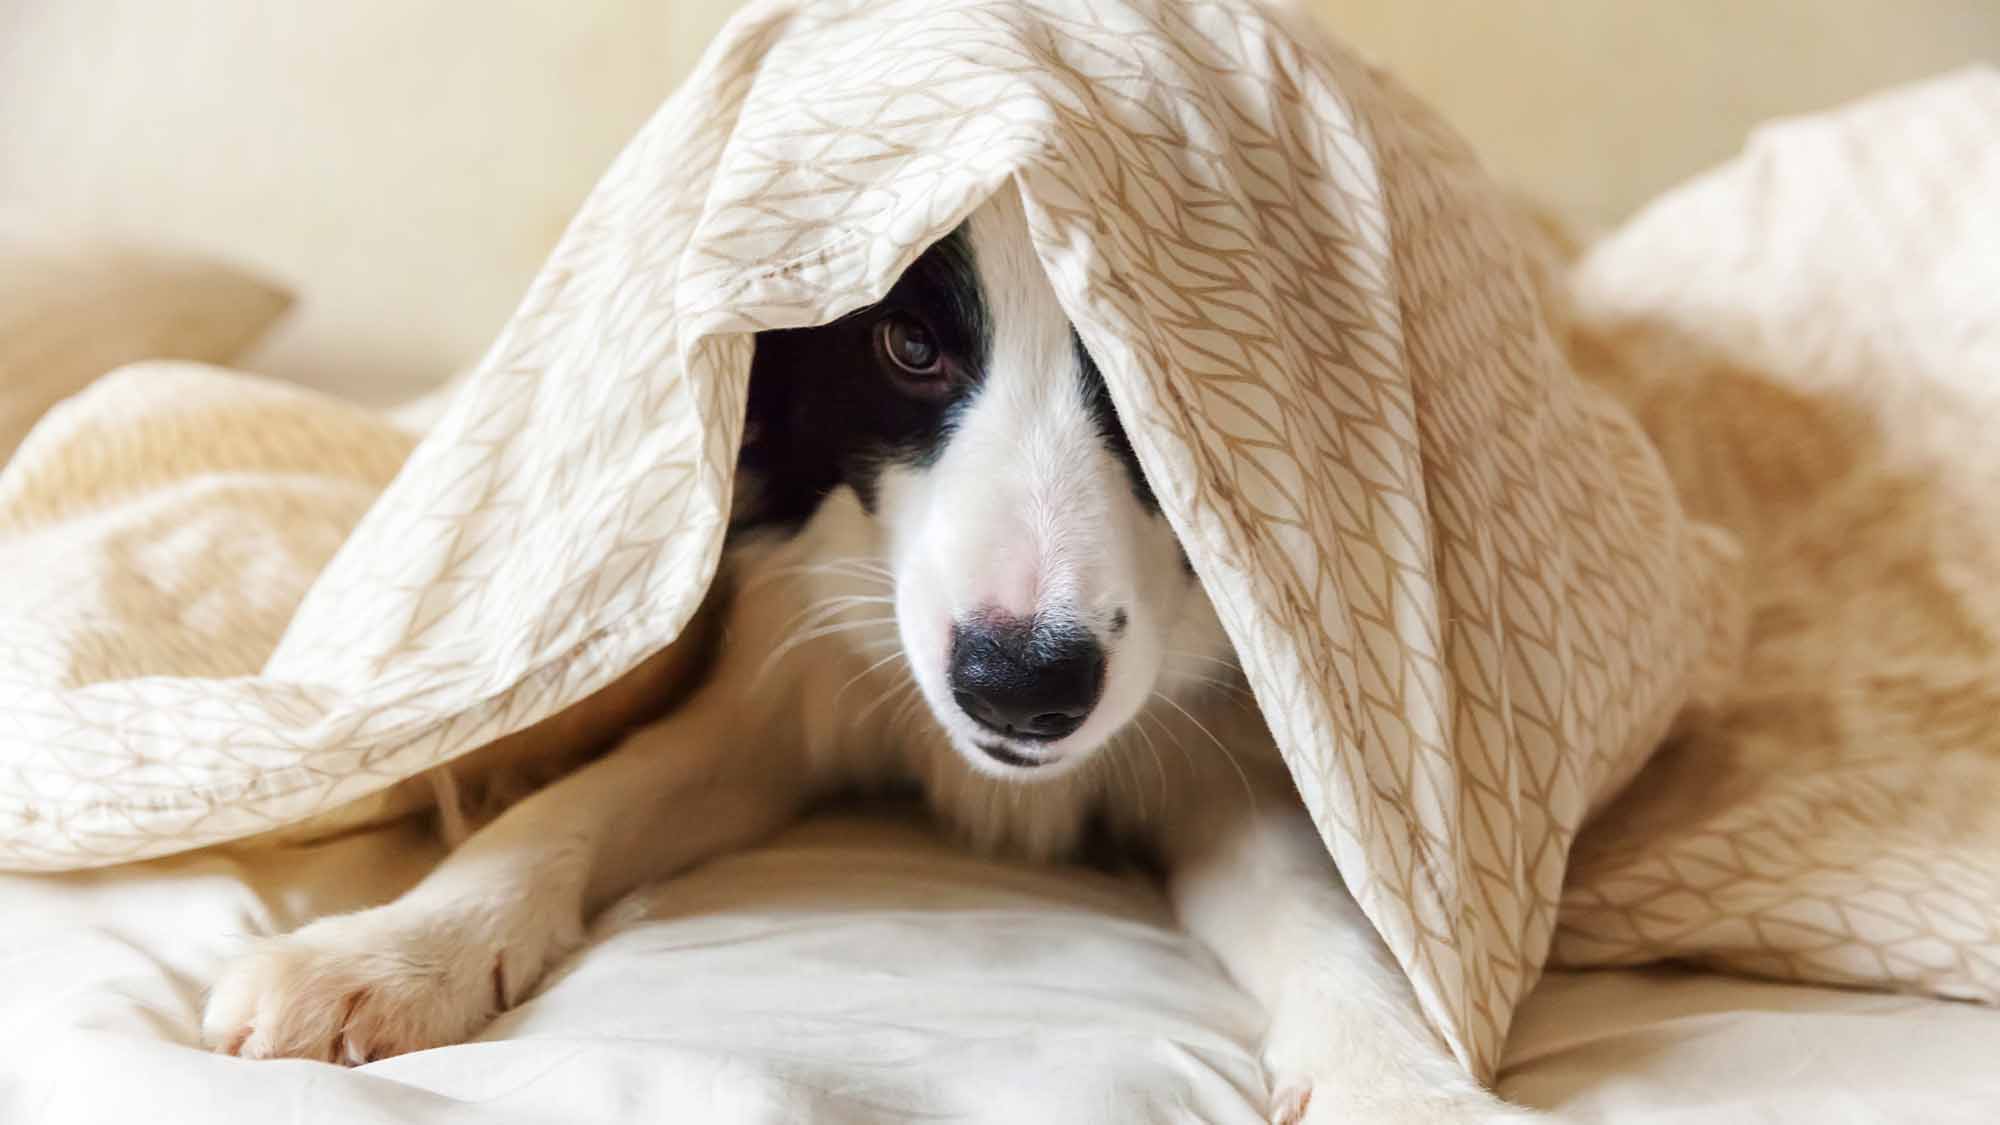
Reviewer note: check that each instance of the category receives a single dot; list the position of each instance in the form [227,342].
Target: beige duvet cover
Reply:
[1811,336]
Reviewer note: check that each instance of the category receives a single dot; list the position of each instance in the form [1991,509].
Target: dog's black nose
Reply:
[1023,681]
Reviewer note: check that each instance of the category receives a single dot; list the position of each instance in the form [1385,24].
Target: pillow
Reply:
[74,307]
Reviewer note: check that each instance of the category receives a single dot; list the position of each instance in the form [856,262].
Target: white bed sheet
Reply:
[858,970]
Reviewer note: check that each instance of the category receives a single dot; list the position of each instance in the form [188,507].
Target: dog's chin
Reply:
[1019,762]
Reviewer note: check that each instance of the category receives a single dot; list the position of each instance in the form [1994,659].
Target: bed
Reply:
[858,969]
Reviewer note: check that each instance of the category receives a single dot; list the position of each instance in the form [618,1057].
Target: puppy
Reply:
[949,571]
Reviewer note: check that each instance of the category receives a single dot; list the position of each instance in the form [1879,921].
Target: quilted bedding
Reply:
[1463,579]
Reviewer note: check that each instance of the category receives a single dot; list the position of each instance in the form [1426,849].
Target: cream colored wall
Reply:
[407,163]
[1598,105]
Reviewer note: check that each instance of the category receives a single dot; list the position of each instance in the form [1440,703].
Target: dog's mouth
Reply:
[1008,756]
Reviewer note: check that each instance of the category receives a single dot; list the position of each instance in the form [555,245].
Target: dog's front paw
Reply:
[355,988]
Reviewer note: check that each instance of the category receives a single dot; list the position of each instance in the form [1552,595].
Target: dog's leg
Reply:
[1346,1042]
[435,965]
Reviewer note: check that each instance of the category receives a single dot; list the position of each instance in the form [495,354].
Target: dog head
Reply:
[1041,599]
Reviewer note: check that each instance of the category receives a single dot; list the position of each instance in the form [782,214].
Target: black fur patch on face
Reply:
[1097,397]
[827,408]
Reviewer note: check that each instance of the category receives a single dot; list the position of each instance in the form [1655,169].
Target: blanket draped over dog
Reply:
[1462,585]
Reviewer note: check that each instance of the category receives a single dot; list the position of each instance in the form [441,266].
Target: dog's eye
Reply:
[912,352]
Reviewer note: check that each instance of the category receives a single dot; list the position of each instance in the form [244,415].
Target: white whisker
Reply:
[1192,655]
[1219,685]
[865,672]
[816,613]
[1119,760]
[1159,767]
[807,636]
[849,567]
[913,698]
[1248,789]
[1171,737]
[891,692]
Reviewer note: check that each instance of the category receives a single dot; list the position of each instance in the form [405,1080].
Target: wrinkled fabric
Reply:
[1810,335]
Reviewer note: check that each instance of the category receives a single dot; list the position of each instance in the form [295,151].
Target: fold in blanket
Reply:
[1812,338]
[1458,577]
